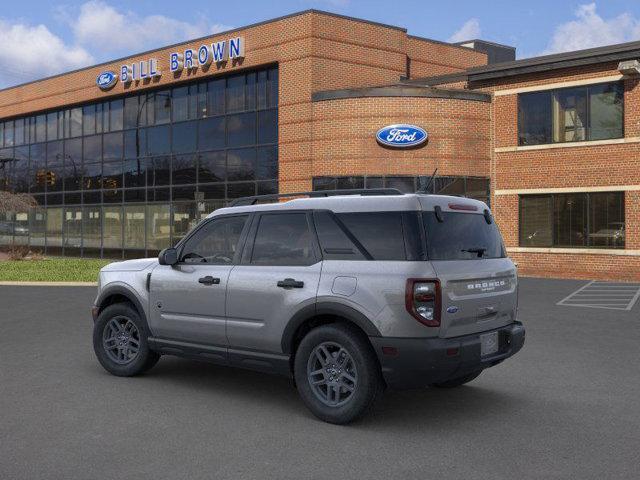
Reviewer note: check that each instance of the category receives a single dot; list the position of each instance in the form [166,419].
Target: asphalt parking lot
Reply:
[568,406]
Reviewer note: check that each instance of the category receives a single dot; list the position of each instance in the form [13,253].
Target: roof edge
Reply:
[213,34]
[400,91]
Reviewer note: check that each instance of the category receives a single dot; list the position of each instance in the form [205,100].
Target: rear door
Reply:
[187,300]
[278,275]
[478,283]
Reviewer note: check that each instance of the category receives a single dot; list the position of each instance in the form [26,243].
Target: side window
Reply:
[216,242]
[380,233]
[335,243]
[283,239]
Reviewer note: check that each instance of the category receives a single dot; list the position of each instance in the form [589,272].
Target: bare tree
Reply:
[16,202]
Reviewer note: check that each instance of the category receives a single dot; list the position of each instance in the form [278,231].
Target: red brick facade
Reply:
[468,135]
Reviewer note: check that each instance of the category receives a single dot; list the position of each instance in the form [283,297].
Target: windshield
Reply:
[462,236]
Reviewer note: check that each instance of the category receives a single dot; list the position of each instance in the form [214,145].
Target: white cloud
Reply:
[469,31]
[104,29]
[591,30]
[28,52]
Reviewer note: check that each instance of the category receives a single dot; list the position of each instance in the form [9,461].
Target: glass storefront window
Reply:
[134,227]
[184,219]
[158,227]
[576,114]
[593,220]
[112,228]
[72,230]
[37,227]
[96,168]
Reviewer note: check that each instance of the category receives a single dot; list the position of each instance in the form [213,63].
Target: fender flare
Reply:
[326,308]
[125,292]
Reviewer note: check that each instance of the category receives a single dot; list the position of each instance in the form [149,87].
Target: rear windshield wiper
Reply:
[479,250]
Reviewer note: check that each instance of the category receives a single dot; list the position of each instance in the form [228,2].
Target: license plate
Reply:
[488,344]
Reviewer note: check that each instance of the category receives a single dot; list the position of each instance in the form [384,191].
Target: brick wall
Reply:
[572,167]
[344,136]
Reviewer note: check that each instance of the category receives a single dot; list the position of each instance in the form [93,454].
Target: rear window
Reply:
[384,235]
[461,236]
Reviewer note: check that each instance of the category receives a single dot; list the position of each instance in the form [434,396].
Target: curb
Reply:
[49,284]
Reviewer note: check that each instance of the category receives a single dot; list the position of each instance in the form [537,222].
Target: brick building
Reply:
[124,157]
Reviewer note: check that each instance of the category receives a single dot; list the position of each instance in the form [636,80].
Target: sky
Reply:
[39,38]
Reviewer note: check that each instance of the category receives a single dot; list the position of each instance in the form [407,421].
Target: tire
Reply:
[342,391]
[456,382]
[120,327]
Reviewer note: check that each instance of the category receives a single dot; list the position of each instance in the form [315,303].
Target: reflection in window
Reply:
[134,216]
[241,129]
[241,164]
[112,227]
[594,220]
[593,112]
[92,228]
[184,219]
[158,227]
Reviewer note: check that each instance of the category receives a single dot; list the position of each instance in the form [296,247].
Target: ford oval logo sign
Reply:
[106,80]
[401,136]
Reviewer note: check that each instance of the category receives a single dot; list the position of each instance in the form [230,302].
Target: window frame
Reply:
[241,241]
[588,196]
[552,93]
[247,253]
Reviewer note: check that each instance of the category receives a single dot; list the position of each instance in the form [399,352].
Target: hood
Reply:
[131,265]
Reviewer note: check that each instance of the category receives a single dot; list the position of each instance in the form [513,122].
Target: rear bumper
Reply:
[419,362]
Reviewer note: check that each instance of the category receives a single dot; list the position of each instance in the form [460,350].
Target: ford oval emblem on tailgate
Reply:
[452,309]
[401,136]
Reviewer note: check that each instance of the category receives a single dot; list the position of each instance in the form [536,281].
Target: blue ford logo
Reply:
[401,136]
[452,309]
[106,80]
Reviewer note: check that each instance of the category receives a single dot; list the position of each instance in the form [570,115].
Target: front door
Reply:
[187,300]
[278,275]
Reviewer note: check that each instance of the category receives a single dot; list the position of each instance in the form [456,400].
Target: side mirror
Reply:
[168,256]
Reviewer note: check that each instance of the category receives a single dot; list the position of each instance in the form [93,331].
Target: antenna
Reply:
[425,188]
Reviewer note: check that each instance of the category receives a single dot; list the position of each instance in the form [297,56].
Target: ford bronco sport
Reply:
[345,292]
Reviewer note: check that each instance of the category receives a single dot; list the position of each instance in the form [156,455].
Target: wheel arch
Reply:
[320,314]
[120,294]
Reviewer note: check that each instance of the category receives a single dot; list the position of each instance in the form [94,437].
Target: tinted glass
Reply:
[606,220]
[536,221]
[241,164]
[570,112]
[268,126]
[462,236]
[158,140]
[334,242]
[241,129]
[570,220]
[211,133]
[380,233]
[534,118]
[184,137]
[606,107]
[215,243]
[283,239]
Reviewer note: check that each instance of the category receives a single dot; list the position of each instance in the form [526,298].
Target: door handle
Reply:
[209,280]
[290,283]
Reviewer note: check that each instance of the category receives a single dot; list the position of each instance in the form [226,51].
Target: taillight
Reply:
[422,298]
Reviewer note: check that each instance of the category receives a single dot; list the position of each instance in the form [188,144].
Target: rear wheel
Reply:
[120,341]
[456,382]
[336,373]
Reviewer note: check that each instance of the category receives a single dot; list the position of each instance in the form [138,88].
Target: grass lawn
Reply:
[52,270]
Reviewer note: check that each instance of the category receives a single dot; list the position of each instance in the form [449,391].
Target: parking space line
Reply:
[613,296]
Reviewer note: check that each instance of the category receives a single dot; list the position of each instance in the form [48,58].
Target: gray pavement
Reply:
[568,406]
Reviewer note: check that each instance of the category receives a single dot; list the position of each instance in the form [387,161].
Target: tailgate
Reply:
[477,295]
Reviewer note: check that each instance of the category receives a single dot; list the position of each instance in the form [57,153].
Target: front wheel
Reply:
[120,341]
[336,373]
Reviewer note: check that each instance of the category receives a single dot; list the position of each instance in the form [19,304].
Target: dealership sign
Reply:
[106,80]
[189,59]
[401,136]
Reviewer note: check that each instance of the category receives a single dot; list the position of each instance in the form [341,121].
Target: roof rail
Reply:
[244,201]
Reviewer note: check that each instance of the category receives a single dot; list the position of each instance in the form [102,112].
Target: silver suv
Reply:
[345,292]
